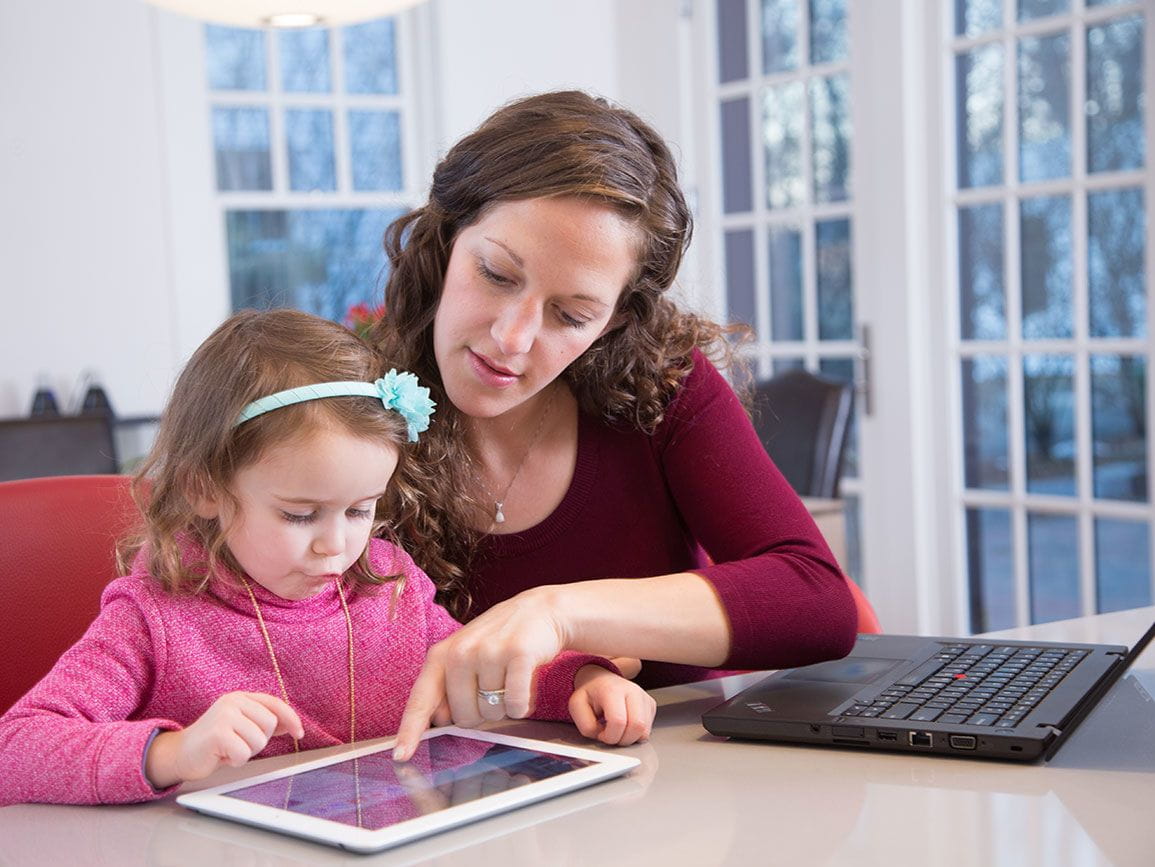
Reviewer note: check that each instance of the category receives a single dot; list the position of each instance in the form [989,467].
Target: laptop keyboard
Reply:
[974,684]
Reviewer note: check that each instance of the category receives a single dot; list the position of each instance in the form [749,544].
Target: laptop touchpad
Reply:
[858,670]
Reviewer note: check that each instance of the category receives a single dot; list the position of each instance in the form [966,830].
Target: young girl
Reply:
[260,615]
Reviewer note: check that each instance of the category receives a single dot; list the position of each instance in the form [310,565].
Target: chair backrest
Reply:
[867,619]
[57,554]
[57,445]
[802,419]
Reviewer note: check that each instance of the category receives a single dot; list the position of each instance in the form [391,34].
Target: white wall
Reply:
[84,265]
[112,246]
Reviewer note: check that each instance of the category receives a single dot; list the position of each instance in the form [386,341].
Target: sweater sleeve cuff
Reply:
[555,683]
[119,768]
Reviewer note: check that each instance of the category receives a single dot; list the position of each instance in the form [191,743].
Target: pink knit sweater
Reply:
[152,660]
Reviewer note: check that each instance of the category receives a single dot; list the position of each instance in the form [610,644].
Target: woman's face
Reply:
[529,287]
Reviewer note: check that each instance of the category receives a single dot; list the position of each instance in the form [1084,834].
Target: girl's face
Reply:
[529,287]
[306,510]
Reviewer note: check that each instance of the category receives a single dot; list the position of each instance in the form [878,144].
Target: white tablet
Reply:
[364,801]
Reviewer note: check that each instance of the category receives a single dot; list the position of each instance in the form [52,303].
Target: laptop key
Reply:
[982,719]
[921,673]
[927,714]
[900,711]
[953,718]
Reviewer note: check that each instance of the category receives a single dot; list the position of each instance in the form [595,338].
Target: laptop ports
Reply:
[919,739]
[963,742]
[887,736]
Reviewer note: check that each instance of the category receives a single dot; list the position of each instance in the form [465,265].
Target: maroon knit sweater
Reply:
[701,494]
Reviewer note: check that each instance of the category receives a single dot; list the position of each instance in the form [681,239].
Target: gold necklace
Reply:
[499,505]
[277,668]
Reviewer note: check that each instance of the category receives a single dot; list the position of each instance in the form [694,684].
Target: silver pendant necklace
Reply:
[499,504]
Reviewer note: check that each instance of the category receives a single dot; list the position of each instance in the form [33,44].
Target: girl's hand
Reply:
[500,649]
[233,730]
[610,708]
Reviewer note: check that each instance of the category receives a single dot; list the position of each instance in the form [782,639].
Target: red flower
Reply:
[361,318]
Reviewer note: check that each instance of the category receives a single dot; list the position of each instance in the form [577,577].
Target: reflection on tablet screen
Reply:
[374,791]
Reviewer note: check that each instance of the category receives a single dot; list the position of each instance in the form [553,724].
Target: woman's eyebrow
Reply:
[516,258]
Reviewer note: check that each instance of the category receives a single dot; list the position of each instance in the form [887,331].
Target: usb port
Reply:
[963,742]
[888,736]
[920,739]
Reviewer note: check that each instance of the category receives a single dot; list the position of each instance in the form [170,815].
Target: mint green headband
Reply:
[397,391]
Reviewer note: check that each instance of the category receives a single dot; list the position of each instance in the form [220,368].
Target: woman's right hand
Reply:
[235,728]
[499,649]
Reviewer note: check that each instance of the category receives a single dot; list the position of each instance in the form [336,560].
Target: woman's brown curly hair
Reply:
[553,144]
[199,447]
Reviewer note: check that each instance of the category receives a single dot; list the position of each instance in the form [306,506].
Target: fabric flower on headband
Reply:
[402,392]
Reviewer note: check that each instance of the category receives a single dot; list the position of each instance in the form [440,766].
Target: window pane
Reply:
[1053,551]
[990,569]
[842,369]
[1122,564]
[982,304]
[782,144]
[1029,9]
[785,284]
[1115,136]
[732,59]
[984,420]
[322,261]
[241,148]
[780,22]
[830,115]
[781,365]
[972,17]
[828,40]
[740,279]
[979,116]
[737,164]
[1117,226]
[375,150]
[1044,107]
[304,58]
[309,135]
[835,301]
[234,58]
[1049,417]
[1045,240]
[370,57]
[1118,426]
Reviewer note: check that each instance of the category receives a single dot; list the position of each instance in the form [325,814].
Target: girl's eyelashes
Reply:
[294,518]
[359,513]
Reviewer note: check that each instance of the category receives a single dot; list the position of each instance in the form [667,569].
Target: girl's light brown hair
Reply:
[199,449]
[553,144]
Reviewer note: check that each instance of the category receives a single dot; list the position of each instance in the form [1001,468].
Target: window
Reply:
[312,134]
[1051,346]
[783,98]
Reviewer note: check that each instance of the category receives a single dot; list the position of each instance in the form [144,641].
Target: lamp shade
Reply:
[285,13]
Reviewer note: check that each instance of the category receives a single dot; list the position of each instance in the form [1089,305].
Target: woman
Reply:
[592,481]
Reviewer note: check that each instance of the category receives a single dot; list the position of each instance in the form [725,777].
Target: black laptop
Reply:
[967,697]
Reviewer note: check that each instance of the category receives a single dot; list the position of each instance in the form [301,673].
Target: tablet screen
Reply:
[374,792]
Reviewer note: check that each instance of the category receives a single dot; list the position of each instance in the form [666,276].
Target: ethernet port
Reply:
[920,739]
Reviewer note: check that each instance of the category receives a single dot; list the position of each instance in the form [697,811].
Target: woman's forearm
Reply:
[673,618]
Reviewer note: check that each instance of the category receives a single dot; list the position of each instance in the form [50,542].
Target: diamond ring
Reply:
[491,696]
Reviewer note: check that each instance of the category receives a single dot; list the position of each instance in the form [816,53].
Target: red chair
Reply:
[867,619]
[57,554]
